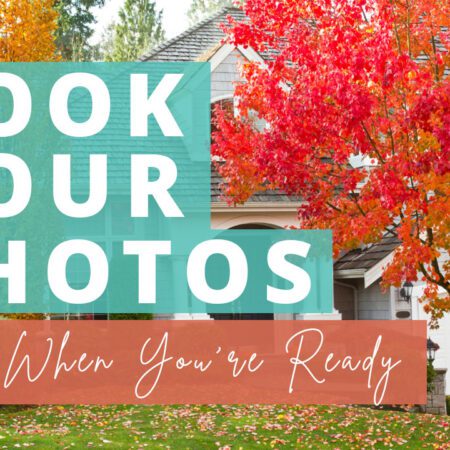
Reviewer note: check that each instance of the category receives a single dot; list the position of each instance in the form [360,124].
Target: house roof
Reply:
[197,40]
[269,196]
[369,256]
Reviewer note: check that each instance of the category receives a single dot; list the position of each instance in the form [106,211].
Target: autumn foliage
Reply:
[345,78]
[27,30]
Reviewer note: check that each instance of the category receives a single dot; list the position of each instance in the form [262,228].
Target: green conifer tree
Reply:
[139,28]
[200,9]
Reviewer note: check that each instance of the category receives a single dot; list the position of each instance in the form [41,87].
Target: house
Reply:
[357,291]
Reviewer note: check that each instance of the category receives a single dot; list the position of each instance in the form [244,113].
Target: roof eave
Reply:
[349,273]
[370,275]
[375,272]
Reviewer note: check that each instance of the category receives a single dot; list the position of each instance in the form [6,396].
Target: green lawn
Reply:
[235,427]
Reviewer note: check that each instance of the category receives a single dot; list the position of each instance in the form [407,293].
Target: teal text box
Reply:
[43,227]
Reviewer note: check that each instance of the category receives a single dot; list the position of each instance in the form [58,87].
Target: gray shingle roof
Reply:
[269,196]
[196,41]
[368,257]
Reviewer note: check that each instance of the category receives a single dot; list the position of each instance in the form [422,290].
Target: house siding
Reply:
[225,74]
[373,303]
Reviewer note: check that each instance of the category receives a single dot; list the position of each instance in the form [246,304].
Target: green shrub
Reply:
[431,374]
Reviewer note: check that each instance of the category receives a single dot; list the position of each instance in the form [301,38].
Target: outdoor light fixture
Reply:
[406,291]
[432,347]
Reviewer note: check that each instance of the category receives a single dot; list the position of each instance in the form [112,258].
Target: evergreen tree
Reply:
[139,28]
[200,9]
[75,23]
[106,46]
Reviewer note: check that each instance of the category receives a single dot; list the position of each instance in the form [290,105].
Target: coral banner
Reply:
[206,361]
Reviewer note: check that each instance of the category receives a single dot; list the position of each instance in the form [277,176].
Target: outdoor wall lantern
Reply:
[432,347]
[406,291]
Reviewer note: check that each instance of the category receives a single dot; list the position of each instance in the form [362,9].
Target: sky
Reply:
[175,19]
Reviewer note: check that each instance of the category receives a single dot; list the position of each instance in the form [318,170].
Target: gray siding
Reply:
[225,75]
[373,303]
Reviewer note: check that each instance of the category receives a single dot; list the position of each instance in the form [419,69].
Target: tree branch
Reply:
[372,142]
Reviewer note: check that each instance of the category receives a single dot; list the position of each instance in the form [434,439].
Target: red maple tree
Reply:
[346,78]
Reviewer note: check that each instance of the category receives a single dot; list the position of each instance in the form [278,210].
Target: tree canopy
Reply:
[75,27]
[350,78]
[139,28]
[27,30]
[200,9]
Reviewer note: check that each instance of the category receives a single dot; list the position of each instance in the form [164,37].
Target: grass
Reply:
[221,427]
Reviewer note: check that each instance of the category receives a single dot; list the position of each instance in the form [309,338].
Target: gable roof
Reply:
[197,40]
